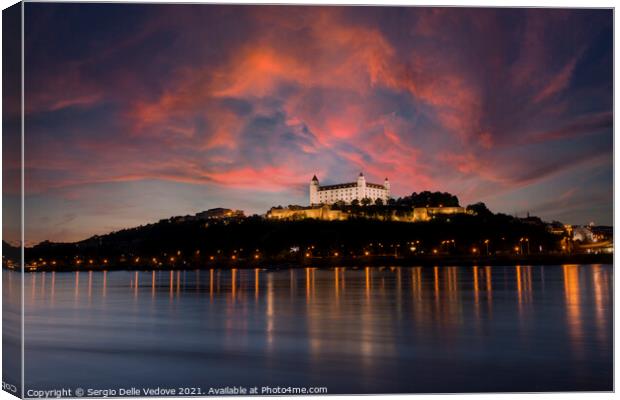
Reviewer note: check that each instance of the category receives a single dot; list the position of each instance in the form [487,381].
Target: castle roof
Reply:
[350,185]
[338,186]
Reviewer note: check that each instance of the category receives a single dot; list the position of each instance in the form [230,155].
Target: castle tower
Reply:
[361,187]
[386,185]
[314,190]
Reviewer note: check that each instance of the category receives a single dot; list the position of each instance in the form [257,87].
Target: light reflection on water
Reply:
[419,329]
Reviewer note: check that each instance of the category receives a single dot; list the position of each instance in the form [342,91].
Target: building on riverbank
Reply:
[220,213]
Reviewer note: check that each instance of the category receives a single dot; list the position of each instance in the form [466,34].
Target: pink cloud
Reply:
[322,84]
[558,82]
[583,125]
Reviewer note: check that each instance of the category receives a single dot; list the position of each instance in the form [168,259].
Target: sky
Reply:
[138,112]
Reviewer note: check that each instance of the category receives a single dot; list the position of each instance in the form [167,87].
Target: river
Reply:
[349,330]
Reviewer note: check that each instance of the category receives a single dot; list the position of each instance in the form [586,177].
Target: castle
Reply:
[348,192]
[323,197]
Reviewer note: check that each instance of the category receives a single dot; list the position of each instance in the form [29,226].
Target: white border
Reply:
[458,3]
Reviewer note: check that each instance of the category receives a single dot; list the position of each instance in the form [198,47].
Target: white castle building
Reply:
[348,192]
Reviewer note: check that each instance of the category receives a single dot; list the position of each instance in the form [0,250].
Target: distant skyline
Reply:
[136,112]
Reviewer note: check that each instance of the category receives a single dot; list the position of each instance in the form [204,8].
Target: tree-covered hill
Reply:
[191,242]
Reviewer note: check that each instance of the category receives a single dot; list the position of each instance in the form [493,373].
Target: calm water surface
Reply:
[365,330]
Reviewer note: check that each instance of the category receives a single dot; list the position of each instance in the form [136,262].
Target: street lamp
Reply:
[527,240]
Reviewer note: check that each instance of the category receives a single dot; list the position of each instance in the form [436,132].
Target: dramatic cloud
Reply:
[243,104]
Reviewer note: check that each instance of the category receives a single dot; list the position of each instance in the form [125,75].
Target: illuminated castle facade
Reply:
[348,192]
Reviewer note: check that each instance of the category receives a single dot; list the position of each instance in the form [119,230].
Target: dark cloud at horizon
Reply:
[136,112]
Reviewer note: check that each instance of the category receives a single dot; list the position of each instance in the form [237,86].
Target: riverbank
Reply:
[356,261]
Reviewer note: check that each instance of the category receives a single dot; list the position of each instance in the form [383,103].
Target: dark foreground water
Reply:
[366,330]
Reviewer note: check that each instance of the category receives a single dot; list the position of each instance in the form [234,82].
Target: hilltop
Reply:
[372,233]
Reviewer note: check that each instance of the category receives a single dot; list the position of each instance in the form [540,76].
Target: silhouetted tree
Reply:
[479,209]
[339,205]
[431,199]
